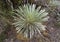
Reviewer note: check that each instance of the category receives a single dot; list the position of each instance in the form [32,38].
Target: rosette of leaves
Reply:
[29,20]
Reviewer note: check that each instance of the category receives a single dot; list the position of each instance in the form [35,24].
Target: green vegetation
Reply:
[2,36]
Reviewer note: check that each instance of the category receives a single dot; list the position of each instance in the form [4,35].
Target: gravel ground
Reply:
[53,31]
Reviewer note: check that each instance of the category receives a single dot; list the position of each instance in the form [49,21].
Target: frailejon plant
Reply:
[29,20]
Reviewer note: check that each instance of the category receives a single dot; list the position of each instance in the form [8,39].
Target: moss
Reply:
[2,36]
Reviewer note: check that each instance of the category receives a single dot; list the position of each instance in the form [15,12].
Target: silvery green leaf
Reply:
[54,3]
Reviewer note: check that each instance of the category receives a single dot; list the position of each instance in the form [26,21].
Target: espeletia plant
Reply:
[29,20]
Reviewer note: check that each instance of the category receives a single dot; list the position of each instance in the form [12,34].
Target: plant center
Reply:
[30,18]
